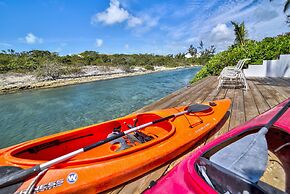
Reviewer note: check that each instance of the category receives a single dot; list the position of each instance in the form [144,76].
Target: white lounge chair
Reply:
[233,75]
[238,67]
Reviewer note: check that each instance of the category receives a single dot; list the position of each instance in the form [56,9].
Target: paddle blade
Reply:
[7,170]
[246,157]
[197,108]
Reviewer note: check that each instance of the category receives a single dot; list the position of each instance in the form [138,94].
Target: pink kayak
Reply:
[211,169]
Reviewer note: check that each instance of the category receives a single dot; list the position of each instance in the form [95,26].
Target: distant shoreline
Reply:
[38,84]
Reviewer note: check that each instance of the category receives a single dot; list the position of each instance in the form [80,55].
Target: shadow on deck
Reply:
[263,94]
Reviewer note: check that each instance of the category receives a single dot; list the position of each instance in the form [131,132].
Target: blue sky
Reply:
[133,26]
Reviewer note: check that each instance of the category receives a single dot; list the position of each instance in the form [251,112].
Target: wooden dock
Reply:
[263,94]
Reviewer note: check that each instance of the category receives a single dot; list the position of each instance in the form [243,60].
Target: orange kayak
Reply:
[112,163]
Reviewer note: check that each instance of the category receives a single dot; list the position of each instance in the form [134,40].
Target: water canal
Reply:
[31,114]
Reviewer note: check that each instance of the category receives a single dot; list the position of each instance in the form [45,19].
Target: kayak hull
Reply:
[105,167]
[184,177]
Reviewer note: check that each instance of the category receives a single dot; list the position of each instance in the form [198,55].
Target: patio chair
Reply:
[233,75]
[238,67]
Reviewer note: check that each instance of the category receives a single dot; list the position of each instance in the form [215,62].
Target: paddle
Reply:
[248,156]
[24,174]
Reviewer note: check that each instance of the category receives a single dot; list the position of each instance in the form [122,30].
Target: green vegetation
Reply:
[149,67]
[45,63]
[200,55]
[267,49]
[240,33]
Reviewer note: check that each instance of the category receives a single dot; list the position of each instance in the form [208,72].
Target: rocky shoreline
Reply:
[10,83]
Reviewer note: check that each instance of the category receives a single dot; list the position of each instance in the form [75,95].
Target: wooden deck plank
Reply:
[251,109]
[208,91]
[190,95]
[273,91]
[175,99]
[215,92]
[165,101]
[263,93]
[238,109]
[193,95]
[286,81]
[223,126]
[139,185]
[224,93]
[261,103]
[267,94]
[230,94]
[221,94]
[282,90]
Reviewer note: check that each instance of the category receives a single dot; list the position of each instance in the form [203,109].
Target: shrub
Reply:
[127,68]
[267,49]
[149,67]
[51,70]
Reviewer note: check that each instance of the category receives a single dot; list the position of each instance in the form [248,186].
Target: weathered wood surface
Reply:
[263,94]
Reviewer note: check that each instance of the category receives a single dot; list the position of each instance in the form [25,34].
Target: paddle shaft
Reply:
[25,174]
[278,115]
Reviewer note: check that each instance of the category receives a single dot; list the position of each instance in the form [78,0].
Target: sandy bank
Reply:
[12,82]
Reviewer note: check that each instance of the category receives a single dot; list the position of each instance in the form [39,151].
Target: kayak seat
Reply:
[128,140]
[223,180]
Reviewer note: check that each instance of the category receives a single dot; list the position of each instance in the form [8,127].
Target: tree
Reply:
[51,70]
[192,50]
[240,33]
[10,51]
[286,7]
[179,56]
[201,45]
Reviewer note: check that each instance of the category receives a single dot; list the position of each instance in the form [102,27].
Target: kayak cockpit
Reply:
[276,177]
[58,145]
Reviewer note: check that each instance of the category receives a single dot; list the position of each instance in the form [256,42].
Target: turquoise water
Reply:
[31,114]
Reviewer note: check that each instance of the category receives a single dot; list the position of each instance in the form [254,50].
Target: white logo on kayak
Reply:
[72,178]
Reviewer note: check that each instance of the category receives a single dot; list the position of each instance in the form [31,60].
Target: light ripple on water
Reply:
[31,114]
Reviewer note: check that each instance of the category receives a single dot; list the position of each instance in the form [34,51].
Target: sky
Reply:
[133,26]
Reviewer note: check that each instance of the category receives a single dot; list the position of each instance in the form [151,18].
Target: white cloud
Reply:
[211,23]
[99,42]
[151,21]
[222,33]
[116,14]
[134,21]
[126,46]
[148,22]
[113,14]
[32,39]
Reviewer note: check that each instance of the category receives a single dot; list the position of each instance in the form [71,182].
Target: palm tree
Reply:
[192,50]
[286,6]
[240,33]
